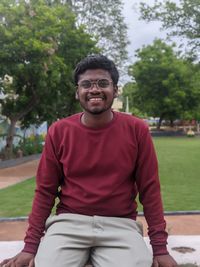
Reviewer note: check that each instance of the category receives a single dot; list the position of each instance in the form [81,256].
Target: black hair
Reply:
[96,61]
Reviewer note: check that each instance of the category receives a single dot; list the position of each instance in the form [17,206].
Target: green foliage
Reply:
[167,86]
[103,19]
[180,19]
[31,145]
[40,46]
[130,94]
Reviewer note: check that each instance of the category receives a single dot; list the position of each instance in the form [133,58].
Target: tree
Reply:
[103,19]
[40,45]
[167,84]
[130,94]
[193,99]
[181,19]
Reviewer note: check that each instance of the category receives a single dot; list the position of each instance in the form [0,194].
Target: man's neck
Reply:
[96,120]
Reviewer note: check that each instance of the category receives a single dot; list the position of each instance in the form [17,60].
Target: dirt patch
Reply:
[15,230]
[184,249]
[16,174]
[179,224]
[188,265]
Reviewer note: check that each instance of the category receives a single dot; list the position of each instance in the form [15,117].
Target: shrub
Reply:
[30,145]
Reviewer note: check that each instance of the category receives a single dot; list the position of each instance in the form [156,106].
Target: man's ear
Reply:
[76,95]
[115,91]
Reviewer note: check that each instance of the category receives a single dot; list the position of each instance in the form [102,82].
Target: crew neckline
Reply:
[107,125]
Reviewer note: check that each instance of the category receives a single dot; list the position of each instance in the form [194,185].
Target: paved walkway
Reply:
[184,230]
[15,174]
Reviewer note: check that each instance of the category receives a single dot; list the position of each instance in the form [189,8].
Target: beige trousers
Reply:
[72,239]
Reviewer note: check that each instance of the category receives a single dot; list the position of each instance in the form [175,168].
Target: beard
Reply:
[96,110]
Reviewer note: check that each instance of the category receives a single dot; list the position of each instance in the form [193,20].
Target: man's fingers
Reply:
[155,263]
[31,263]
[3,263]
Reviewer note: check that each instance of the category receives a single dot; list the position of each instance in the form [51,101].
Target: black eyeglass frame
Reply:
[92,83]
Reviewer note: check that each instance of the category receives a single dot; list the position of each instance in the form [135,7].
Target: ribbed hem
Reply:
[30,248]
[160,250]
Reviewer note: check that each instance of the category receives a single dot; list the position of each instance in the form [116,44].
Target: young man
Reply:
[96,162]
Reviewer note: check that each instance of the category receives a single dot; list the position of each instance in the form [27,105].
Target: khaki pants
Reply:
[72,239]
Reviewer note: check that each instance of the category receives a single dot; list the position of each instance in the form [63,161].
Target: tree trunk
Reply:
[198,127]
[9,140]
[159,123]
[11,131]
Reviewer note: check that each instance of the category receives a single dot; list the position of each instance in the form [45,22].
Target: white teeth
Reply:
[95,99]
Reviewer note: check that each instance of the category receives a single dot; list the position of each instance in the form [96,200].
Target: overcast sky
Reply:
[139,32]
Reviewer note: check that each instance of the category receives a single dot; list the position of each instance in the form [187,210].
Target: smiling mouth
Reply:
[96,99]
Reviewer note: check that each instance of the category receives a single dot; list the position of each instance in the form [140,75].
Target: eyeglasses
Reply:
[100,84]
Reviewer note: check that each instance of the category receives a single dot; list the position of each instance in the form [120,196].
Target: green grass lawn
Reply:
[179,164]
[179,167]
[16,200]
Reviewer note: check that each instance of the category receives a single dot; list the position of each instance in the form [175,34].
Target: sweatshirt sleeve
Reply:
[148,184]
[48,179]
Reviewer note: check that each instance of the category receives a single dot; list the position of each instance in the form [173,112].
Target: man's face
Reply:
[96,91]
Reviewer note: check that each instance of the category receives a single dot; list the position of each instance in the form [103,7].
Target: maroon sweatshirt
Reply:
[100,172]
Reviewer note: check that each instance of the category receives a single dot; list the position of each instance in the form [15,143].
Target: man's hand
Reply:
[164,261]
[20,260]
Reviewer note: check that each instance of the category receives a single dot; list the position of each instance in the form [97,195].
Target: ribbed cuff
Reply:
[160,250]
[30,248]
